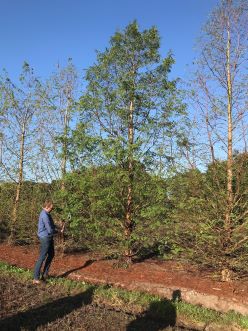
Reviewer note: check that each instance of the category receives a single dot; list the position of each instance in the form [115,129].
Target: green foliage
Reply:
[32,198]
[198,205]
[131,70]
[96,199]
[6,195]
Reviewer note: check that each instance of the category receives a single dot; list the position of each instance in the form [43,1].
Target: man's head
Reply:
[48,205]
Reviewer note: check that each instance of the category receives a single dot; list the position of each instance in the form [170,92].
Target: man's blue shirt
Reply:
[46,225]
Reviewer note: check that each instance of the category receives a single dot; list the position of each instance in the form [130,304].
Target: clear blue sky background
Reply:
[45,32]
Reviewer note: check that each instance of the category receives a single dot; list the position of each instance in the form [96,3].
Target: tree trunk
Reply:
[18,188]
[129,220]
[63,171]
[64,158]
[1,148]
[230,141]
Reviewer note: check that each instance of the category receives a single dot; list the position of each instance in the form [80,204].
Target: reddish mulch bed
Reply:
[92,268]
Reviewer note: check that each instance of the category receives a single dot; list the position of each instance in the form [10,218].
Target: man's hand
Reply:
[62,227]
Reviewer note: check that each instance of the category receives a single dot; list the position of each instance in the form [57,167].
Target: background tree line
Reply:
[142,165]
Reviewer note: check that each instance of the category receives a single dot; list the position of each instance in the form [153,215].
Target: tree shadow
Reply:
[35,317]
[85,265]
[176,296]
[159,315]
[76,250]
[152,251]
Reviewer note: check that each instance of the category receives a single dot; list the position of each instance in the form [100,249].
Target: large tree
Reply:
[133,106]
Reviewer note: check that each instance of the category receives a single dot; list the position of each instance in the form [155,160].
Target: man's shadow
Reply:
[159,315]
[35,317]
[86,264]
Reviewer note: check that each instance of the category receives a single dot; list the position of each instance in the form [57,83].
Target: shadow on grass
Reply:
[86,264]
[159,315]
[35,317]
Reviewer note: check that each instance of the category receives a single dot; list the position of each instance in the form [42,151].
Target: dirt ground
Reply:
[96,269]
[50,307]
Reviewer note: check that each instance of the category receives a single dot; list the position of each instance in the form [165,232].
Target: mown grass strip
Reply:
[137,302]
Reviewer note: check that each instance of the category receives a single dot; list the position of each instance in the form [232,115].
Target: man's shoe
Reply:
[44,278]
[36,281]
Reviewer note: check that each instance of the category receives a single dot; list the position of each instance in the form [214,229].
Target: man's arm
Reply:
[47,224]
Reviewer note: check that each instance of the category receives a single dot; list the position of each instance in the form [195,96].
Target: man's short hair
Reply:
[47,203]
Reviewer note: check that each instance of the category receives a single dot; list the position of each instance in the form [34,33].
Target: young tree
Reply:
[58,100]
[20,105]
[220,92]
[221,81]
[133,105]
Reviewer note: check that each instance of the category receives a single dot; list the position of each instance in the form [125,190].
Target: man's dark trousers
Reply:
[46,254]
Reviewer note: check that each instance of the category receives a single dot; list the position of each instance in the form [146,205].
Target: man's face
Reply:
[49,209]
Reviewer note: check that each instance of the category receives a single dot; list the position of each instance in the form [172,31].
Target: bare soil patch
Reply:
[95,269]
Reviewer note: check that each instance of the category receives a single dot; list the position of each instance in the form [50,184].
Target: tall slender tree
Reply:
[58,99]
[221,86]
[133,105]
[19,109]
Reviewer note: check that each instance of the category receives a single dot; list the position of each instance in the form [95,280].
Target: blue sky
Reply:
[45,32]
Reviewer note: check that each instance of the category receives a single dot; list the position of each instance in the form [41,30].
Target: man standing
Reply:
[46,231]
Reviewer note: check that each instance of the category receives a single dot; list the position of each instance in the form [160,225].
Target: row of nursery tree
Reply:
[141,162]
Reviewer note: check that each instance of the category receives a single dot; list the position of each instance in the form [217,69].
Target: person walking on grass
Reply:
[46,231]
